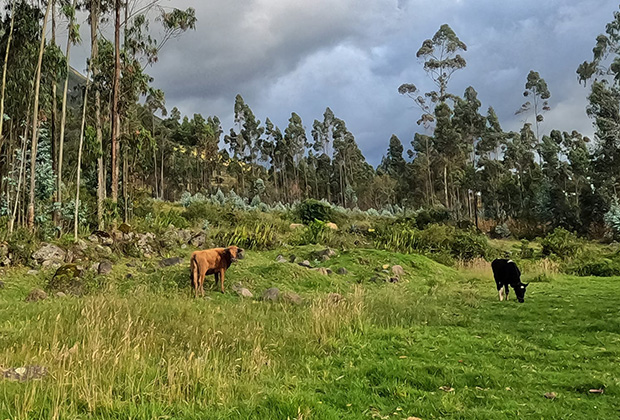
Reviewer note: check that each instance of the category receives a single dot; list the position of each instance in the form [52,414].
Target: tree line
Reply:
[81,151]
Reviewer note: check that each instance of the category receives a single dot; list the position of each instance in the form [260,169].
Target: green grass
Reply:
[142,348]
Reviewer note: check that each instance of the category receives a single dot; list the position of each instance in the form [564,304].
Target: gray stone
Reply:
[321,270]
[272,294]
[398,270]
[36,295]
[49,252]
[291,297]
[294,226]
[67,279]
[168,262]
[60,295]
[198,240]
[32,272]
[280,258]
[393,280]
[23,374]
[305,263]
[51,264]
[103,251]
[243,292]
[105,267]
[342,271]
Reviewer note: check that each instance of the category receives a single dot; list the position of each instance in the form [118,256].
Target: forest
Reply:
[110,133]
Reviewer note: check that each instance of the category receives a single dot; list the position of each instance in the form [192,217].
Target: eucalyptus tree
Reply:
[35,122]
[296,142]
[73,37]
[536,88]
[4,70]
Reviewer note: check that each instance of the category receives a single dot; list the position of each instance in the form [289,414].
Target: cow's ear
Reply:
[526,284]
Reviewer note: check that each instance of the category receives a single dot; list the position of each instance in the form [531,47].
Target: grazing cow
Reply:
[212,261]
[506,274]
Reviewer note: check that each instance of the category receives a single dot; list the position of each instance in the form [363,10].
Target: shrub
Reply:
[425,217]
[526,252]
[502,231]
[468,245]
[316,233]
[310,210]
[562,243]
[601,267]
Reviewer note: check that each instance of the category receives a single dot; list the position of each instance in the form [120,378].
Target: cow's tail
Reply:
[193,272]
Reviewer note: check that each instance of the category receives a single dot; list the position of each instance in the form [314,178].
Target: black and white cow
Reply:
[506,274]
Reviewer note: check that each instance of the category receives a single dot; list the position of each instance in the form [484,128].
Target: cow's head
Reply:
[236,253]
[520,290]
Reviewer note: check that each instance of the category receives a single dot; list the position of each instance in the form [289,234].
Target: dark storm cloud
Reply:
[351,55]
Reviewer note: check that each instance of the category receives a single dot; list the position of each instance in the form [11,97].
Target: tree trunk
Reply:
[115,117]
[22,169]
[56,212]
[161,177]
[445,185]
[6,61]
[79,162]
[35,122]
[63,117]
[94,54]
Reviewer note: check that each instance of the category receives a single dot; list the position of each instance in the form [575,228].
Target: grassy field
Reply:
[436,345]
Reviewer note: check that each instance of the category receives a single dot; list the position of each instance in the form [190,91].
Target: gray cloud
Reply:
[351,55]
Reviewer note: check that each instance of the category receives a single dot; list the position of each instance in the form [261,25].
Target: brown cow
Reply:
[212,261]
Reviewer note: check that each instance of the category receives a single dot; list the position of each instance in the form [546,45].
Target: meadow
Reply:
[437,344]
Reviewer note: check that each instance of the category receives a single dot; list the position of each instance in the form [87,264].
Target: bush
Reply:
[310,210]
[562,243]
[526,252]
[602,267]
[425,217]
[502,231]
[468,245]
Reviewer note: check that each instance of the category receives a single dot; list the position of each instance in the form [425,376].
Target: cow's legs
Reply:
[217,280]
[202,282]
[501,293]
[507,289]
[222,279]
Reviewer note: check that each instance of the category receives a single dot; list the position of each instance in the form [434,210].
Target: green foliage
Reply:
[258,237]
[599,267]
[310,210]
[525,251]
[562,243]
[316,232]
[22,244]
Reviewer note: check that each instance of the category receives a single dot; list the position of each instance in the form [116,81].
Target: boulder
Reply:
[168,262]
[241,291]
[103,251]
[292,298]
[280,258]
[4,255]
[60,295]
[104,268]
[305,263]
[198,240]
[398,270]
[322,270]
[272,294]
[36,295]
[294,226]
[49,252]
[25,373]
[342,271]
[67,280]
[331,226]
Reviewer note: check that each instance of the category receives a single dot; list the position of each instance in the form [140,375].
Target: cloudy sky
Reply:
[298,56]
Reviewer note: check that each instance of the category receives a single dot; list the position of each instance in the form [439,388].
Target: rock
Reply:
[293,298]
[124,228]
[198,240]
[67,279]
[398,270]
[51,264]
[550,395]
[105,267]
[322,270]
[101,237]
[23,374]
[393,280]
[272,294]
[280,258]
[241,291]
[103,251]
[325,254]
[4,255]
[168,262]
[1,284]
[331,226]
[305,263]
[294,226]
[49,252]
[32,272]
[60,295]
[36,295]
[81,245]
[342,271]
